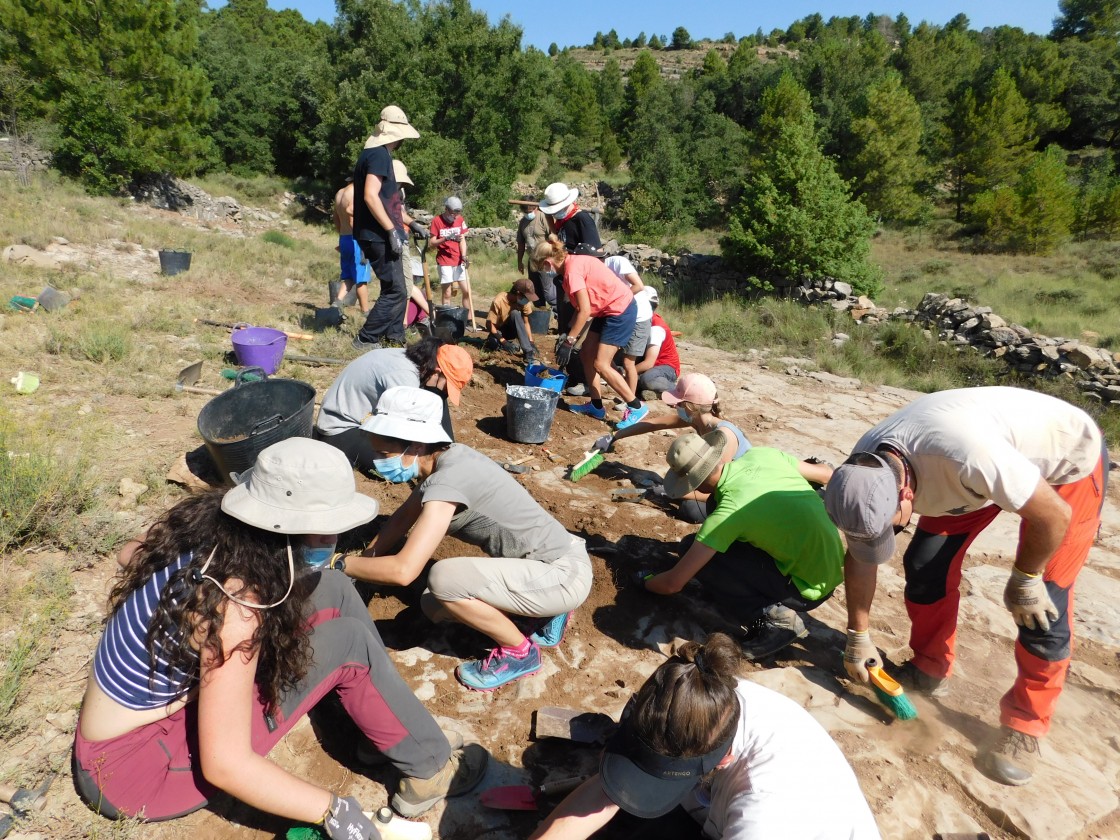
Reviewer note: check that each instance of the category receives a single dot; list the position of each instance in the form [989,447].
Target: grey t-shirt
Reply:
[354,394]
[497,514]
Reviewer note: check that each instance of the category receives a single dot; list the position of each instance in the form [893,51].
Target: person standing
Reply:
[532,229]
[701,752]
[380,228]
[767,550]
[958,458]
[449,231]
[416,310]
[354,272]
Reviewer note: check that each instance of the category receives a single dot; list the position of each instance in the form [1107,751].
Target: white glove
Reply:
[1029,602]
[603,444]
[859,649]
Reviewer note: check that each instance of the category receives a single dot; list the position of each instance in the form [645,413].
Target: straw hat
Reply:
[691,459]
[299,486]
[394,126]
[407,413]
[557,198]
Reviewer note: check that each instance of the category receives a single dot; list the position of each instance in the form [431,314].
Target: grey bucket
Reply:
[174,262]
[529,413]
[540,320]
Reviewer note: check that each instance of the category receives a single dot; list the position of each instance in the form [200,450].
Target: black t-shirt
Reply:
[580,229]
[376,161]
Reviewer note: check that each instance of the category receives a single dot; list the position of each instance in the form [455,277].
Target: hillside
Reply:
[673,63]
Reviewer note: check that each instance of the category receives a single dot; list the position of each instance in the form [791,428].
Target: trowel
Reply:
[188,376]
[527,797]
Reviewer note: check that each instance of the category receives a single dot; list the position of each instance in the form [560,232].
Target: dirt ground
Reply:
[918,777]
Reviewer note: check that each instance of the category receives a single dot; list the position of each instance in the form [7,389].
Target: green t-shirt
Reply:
[762,499]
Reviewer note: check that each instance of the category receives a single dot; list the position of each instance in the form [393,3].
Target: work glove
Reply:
[1029,601]
[465,263]
[604,443]
[639,578]
[563,352]
[397,241]
[656,493]
[418,230]
[859,649]
[505,345]
[492,342]
[345,821]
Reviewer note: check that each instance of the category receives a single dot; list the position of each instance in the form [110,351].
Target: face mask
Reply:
[548,277]
[530,215]
[394,470]
[316,556]
[523,302]
[684,415]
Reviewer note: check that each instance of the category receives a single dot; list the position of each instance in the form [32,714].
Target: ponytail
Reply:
[550,249]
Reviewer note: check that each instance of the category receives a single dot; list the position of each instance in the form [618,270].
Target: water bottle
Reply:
[393,827]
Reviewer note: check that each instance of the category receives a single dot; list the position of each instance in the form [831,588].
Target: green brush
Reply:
[304,832]
[890,693]
[590,462]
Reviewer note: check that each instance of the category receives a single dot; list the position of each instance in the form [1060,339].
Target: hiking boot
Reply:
[915,679]
[367,755]
[776,629]
[1011,758]
[499,668]
[577,390]
[359,344]
[463,771]
[632,416]
[551,633]
[589,410]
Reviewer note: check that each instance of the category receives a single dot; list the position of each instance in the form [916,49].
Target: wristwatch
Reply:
[337,561]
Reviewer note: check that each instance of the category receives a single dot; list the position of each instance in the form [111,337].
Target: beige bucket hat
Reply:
[394,126]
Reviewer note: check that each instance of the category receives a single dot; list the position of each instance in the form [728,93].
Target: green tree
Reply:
[1092,94]
[995,142]
[1036,214]
[611,93]
[1087,20]
[644,78]
[660,176]
[1040,71]
[796,217]
[681,39]
[1098,200]
[888,167]
[656,42]
[610,153]
[640,41]
[553,49]
[582,124]
[118,80]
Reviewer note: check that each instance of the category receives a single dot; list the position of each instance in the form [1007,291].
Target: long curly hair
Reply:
[688,706]
[187,622]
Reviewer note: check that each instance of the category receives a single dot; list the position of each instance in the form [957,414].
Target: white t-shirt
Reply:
[622,266]
[656,336]
[973,446]
[788,779]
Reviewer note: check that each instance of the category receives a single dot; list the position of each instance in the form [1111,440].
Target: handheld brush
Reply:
[889,692]
[589,463]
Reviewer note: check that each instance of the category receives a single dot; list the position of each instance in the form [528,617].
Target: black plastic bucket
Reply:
[174,262]
[529,413]
[540,320]
[450,322]
[239,424]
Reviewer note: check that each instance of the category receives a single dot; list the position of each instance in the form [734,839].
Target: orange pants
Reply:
[932,564]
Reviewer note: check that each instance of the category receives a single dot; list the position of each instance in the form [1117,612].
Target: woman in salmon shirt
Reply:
[600,297]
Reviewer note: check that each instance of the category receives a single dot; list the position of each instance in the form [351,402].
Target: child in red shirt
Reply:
[448,232]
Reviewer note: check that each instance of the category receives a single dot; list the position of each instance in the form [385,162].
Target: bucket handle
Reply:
[259,372]
[275,419]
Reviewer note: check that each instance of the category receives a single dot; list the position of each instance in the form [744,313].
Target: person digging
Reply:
[766,551]
[508,321]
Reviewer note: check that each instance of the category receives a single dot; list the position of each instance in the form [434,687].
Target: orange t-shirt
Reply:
[609,295]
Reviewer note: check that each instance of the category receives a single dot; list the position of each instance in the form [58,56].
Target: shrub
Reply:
[98,342]
[275,237]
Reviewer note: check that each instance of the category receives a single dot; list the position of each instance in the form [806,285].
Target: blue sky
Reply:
[575,22]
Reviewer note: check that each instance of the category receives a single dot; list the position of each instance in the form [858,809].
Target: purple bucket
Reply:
[259,347]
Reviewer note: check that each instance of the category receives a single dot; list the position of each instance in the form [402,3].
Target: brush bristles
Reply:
[898,705]
[585,466]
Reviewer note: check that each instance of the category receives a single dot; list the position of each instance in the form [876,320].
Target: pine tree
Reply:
[645,76]
[611,92]
[796,217]
[888,167]
[1087,20]
[1035,215]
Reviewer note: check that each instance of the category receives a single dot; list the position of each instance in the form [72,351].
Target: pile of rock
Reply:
[19,155]
[167,193]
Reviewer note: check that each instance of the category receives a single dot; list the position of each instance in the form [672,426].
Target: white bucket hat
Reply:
[407,413]
[557,197]
[394,126]
[299,486]
[400,173]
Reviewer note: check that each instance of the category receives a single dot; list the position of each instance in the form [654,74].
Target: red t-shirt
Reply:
[667,354]
[448,253]
[608,294]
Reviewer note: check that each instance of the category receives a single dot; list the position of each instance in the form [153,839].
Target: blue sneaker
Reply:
[632,416]
[499,668]
[590,410]
[551,633]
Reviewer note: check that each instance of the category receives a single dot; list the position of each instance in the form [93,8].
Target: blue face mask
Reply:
[523,302]
[684,415]
[530,215]
[316,556]
[394,470]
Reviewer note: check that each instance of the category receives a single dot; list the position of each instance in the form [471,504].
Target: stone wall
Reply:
[18,155]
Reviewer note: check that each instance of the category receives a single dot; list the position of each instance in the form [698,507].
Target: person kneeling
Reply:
[767,550]
[523,593]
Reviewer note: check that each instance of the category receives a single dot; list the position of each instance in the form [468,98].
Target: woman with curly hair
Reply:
[742,761]
[219,640]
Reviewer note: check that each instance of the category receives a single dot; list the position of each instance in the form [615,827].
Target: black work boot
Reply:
[777,628]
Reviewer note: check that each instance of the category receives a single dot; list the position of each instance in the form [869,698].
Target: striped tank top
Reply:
[122,665]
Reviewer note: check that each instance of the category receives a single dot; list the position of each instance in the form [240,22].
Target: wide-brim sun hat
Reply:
[400,173]
[862,501]
[557,197]
[646,783]
[695,388]
[394,125]
[299,486]
[691,459]
[407,413]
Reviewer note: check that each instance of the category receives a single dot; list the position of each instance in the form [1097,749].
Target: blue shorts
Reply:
[615,330]
[350,260]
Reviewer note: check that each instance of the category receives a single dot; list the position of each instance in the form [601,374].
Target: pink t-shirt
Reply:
[609,295]
[448,253]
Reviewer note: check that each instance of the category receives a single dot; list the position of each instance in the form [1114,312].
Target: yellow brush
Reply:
[889,692]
